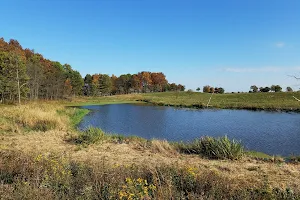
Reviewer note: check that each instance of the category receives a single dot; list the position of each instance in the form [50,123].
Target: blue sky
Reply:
[232,43]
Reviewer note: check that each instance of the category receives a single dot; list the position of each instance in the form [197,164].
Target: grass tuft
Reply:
[89,136]
[161,146]
[214,148]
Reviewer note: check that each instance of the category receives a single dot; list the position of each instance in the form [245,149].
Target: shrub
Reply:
[215,148]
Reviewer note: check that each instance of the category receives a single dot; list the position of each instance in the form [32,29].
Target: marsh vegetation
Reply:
[60,162]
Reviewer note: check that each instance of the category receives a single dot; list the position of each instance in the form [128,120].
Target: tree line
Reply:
[210,89]
[273,88]
[27,74]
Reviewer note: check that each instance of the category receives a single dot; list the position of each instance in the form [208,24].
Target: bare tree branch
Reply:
[298,78]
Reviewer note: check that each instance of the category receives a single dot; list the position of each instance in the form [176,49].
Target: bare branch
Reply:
[298,78]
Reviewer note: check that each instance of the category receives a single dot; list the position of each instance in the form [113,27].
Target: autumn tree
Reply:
[51,80]
[180,87]
[206,89]
[114,88]
[136,83]
[158,81]
[68,87]
[146,81]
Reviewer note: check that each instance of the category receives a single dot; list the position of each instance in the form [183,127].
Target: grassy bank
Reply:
[252,101]
[59,162]
[281,101]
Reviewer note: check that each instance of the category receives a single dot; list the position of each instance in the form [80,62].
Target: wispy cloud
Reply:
[280,44]
[262,69]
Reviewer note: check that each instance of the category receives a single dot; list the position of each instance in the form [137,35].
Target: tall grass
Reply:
[215,148]
[37,117]
[51,176]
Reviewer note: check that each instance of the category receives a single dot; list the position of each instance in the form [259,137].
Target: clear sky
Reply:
[228,43]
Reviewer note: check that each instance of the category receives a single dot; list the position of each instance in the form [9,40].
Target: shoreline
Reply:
[201,106]
[253,153]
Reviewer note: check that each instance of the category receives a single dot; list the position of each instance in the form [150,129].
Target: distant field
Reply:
[251,101]
[271,101]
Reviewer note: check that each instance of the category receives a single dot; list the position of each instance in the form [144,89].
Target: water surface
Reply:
[274,133]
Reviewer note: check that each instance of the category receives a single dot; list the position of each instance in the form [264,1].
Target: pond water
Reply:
[275,133]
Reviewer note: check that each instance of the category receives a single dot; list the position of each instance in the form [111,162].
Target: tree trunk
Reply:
[18,82]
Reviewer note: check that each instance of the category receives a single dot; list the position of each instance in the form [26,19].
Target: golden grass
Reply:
[162,146]
[33,116]
[246,171]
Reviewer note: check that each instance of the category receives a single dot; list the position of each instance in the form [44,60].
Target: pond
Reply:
[275,133]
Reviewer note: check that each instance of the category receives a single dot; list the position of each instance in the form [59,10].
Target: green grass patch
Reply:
[90,136]
[214,148]
[94,135]
[258,155]
[251,101]
[78,115]
[262,156]
[99,101]
[120,139]
[75,114]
